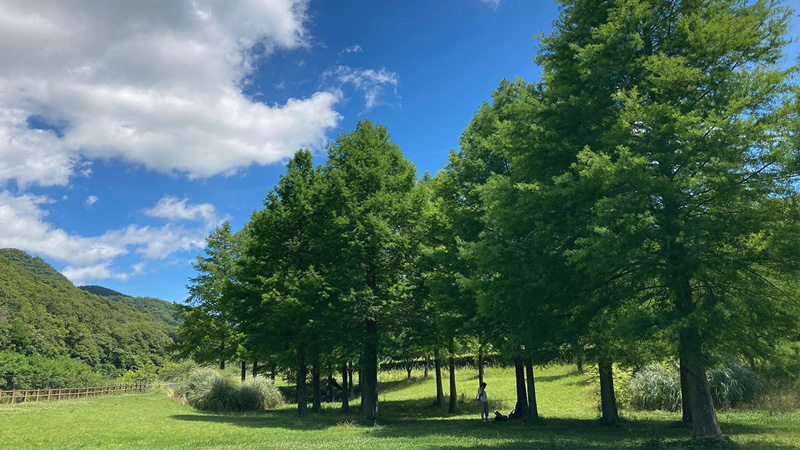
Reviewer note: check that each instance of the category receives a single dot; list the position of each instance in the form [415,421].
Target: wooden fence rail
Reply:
[35,395]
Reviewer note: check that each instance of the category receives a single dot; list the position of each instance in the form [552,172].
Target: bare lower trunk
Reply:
[533,410]
[453,408]
[255,369]
[345,390]
[350,376]
[221,364]
[369,370]
[438,369]
[608,399]
[244,371]
[522,396]
[686,393]
[302,399]
[579,361]
[316,393]
[704,416]
[427,363]
[408,369]
[480,364]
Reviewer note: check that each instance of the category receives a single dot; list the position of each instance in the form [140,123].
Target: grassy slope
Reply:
[409,421]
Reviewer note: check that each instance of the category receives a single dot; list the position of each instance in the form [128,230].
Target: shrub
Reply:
[208,390]
[658,386]
[733,386]
[258,394]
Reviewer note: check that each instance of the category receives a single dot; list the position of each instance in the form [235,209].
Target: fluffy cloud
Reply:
[152,82]
[171,208]
[371,82]
[25,228]
[91,200]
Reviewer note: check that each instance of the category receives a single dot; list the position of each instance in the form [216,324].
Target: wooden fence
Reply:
[36,395]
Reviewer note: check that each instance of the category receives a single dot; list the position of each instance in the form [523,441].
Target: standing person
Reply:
[484,402]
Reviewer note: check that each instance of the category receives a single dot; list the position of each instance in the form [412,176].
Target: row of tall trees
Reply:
[638,203]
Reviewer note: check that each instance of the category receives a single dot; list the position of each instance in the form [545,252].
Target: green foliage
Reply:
[42,313]
[163,310]
[208,390]
[36,371]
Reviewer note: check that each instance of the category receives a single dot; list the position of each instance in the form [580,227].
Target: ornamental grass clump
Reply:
[733,386]
[259,394]
[658,387]
[208,390]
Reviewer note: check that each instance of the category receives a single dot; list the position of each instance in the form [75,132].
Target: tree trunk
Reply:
[522,397]
[453,394]
[686,393]
[579,360]
[316,393]
[480,364]
[244,371]
[302,398]
[608,400]
[350,377]
[427,363]
[408,369]
[369,369]
[255,369]
[704,416]
[438,369]
[272,370]
[533,410]
[221,364]
[345,390]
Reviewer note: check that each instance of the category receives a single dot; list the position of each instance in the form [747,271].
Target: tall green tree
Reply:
[376,210]
[285,304]
[687,161]
[208,332]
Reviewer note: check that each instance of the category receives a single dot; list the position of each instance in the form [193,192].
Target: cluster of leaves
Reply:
[43,314]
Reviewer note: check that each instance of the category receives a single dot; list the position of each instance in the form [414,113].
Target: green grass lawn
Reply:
[567,403]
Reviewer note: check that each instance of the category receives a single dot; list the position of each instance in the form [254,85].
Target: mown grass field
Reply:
[567,402]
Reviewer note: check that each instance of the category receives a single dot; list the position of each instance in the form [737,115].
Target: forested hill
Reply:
[43,313]
[161,309]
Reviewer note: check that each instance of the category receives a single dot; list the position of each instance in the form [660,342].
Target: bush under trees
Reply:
[208,390]
[658,387]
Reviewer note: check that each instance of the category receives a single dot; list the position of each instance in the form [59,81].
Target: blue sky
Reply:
[129,130]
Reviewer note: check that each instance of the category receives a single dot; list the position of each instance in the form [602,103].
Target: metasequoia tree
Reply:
[687,160]
[376,209]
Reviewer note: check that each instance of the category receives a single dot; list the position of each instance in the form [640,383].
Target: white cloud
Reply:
[151,82]
[101,271]
[371,82]
[24,227]
[170,208]
[91,200]
[494,3]
[353,49]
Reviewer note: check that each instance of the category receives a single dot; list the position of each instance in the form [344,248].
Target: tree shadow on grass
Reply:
[410,419]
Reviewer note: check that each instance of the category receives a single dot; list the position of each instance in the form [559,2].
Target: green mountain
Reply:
[43,314]
[163,310]
[101,291]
